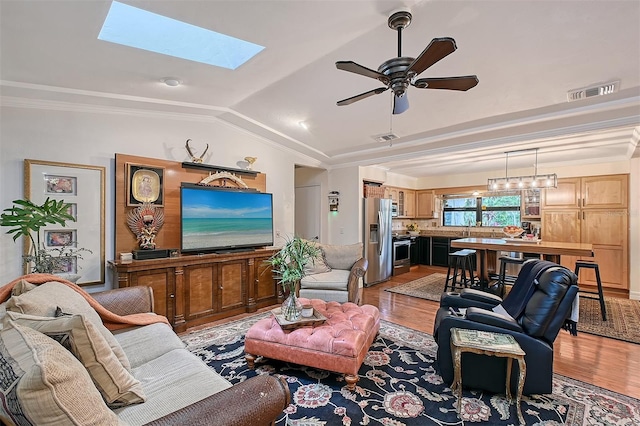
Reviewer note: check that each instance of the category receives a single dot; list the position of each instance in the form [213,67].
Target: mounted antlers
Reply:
[193,157]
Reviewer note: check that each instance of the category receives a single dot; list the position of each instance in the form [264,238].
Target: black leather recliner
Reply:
[533,313]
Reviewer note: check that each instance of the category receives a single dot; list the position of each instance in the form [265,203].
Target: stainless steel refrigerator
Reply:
[377,240]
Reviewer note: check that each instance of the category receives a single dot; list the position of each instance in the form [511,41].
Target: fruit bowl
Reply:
[512,231]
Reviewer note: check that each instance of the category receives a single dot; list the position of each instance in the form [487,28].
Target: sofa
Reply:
[334,275]
[61,365]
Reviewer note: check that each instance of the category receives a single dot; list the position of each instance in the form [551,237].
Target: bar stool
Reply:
[498,288]
[593,265]
[461,263]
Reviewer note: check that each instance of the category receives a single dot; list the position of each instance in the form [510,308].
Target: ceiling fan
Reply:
[398,73]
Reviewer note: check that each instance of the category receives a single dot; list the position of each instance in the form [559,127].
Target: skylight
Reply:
[138,28]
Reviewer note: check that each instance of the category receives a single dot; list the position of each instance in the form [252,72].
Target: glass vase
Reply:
[291,307]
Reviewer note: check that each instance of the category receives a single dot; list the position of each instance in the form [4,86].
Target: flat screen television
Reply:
[220,220]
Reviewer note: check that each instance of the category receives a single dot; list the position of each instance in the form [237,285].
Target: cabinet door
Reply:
[607,230]
[425,204]
[265,287]
[561,225]
[393,193]
[232,278]
[199,291]
[566,195]
[424,244]
[605,191]
[162,282]
[409,203]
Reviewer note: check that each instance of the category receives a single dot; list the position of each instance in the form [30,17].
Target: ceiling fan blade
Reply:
[400,103]
[435,51]
[362,70]
[462,83]
[361,96]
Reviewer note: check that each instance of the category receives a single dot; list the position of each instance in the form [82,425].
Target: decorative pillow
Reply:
[46,298]
[342,256]
[43,383]
[117,386]
[317,265]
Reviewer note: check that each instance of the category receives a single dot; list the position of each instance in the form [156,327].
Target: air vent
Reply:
[385,137]
[598,90]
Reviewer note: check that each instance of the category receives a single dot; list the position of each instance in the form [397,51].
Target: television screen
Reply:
[216,219]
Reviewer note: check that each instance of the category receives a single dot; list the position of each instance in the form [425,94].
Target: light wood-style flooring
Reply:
[607,363]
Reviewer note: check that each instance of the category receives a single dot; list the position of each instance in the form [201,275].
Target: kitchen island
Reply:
[487,248]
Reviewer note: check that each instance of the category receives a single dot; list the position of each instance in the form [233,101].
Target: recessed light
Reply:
[171,81]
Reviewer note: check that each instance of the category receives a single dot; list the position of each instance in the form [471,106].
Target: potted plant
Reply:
[288,266]
[413,228]
[26,218]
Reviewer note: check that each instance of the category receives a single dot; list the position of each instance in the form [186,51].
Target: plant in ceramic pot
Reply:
[413,228]
[25,219]
[288,265]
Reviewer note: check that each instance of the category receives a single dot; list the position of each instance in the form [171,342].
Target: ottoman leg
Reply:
[351,381]
[250,360]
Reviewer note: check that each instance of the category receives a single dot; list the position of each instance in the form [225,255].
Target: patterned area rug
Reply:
[399,386]
[623,315]
[429,287]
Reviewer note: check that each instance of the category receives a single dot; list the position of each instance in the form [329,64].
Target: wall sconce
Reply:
[333,201]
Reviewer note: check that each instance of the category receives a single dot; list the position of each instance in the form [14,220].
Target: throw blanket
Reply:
[110,320]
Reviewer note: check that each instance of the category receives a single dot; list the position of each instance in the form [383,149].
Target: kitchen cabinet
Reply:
[193,290]
[424,250]
[406,203]
[392,193]
[440,251]
[531,204]
[596,213]
[609,191]
[425,204]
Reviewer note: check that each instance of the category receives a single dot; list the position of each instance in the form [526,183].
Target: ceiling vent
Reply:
[597,90]
[385,137]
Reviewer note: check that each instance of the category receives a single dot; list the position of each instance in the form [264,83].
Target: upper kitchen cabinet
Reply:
[566,195]
[605,192]
[609,191]
[531,204]
[391,193]
[425,204]
[407,203]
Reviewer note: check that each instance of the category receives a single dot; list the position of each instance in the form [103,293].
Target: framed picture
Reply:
[60,238]
[144,185]
[60,184]
[83,187]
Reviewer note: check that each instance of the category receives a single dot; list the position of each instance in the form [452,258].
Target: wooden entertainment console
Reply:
[196,289]
[190,290]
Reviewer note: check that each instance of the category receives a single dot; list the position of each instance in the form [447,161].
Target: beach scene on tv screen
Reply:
[218,219]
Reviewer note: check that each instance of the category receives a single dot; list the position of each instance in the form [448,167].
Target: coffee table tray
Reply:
[316,319]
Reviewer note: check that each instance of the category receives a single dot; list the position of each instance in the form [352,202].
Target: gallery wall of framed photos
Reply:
[83,187]
[139,179]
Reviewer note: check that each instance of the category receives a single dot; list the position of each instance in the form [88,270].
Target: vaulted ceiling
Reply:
[527,56]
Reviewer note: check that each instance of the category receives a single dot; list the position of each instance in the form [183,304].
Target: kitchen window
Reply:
[492,210]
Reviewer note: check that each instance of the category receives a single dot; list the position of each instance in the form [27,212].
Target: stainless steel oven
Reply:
[401,256]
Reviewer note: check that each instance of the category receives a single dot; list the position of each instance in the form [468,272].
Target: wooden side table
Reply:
[492,344]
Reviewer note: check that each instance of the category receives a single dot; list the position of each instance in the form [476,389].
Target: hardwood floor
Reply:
[607,363]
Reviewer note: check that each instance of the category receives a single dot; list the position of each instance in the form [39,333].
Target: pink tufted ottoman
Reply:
[340,344]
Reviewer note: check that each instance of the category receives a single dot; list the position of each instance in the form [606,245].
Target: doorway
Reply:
[307,212]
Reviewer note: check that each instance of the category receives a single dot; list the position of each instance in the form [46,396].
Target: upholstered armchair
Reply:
[335,274]
[533,313]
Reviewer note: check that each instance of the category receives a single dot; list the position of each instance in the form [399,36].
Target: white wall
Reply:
[345,225]
[93,138]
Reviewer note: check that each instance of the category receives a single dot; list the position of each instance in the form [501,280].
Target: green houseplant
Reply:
[25,219]
[288,265]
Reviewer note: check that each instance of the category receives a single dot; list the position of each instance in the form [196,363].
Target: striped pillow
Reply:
[43,383]
[79,335]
